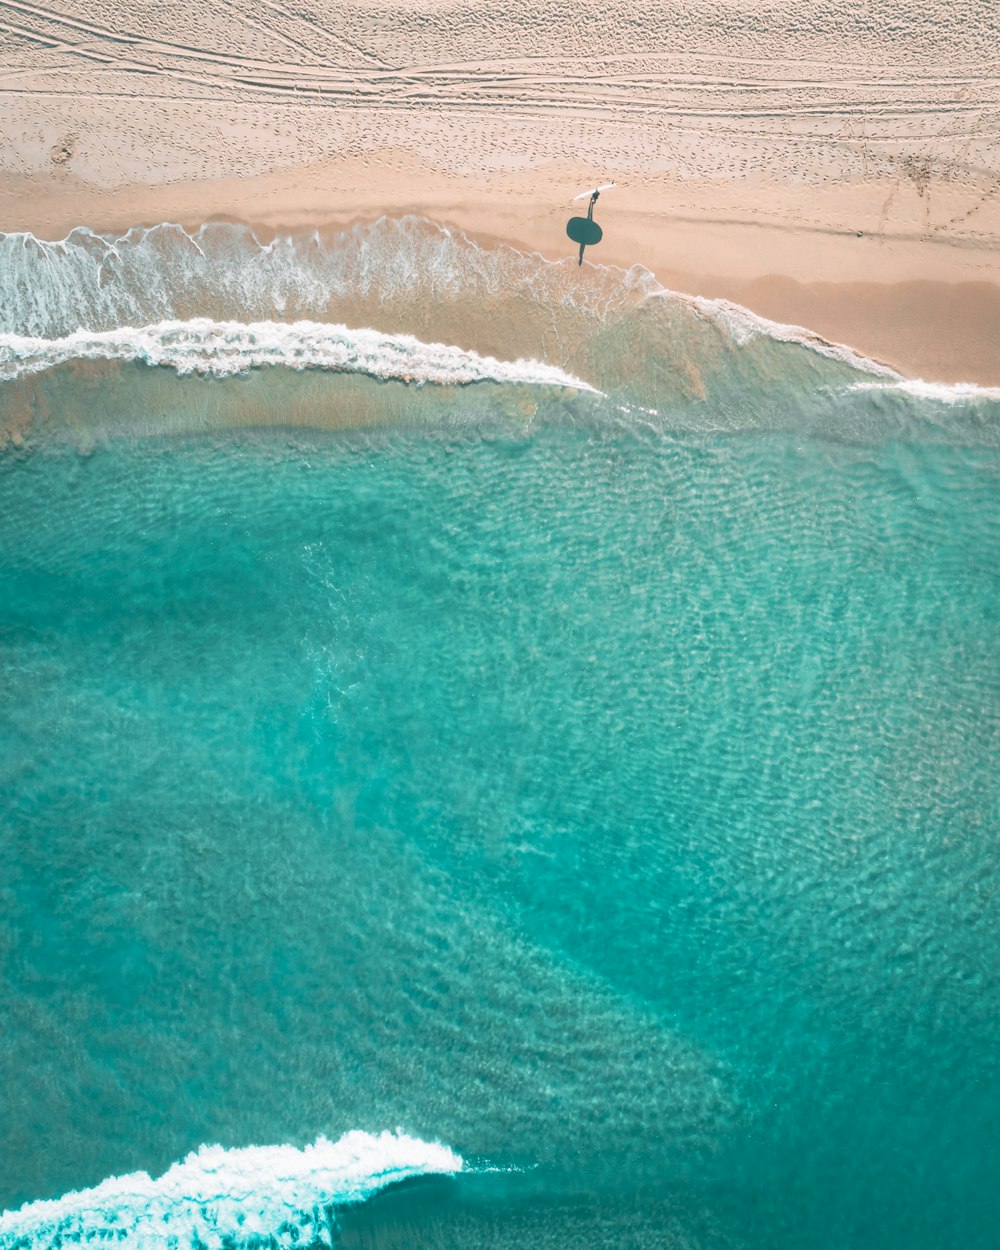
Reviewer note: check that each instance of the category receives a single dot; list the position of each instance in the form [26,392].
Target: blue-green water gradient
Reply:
[615,805]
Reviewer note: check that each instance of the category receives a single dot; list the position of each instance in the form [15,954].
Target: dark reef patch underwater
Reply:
[590,766]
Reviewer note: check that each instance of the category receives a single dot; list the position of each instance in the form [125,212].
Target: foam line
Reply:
[279,1193]
[743,326]
[157,276]
[223,270]
[163,272]
[943,392]
[224,348]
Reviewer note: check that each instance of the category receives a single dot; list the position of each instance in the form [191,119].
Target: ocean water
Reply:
[493,755]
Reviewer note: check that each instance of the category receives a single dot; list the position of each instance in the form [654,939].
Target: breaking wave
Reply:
[440,307]
[224,348]
[276,1195]
[402,274]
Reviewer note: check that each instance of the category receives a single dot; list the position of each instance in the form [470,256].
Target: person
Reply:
[585,230]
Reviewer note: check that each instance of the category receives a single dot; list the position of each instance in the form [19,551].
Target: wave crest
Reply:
[216,1196]
[224,348]
[224,299]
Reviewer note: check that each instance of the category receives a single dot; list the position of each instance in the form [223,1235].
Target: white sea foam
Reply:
[158,273]
[744,326]
[214,1195]
[943,392]
[224,348]
[282,301]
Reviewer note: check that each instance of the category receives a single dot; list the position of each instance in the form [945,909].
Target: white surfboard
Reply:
[585,195]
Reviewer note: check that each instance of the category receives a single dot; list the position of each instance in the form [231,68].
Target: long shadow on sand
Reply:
[585,230]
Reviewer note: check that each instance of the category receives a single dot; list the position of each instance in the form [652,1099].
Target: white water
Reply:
[943,392]
[256,1192]
[224,348]
[101,282]
[220,300]
[743,326]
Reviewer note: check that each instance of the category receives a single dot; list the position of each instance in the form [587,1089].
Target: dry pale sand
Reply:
[834,163]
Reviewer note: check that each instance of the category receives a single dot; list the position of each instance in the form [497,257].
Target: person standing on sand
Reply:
[584,230]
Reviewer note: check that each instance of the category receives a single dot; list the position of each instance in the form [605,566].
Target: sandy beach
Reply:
[832,166]
[498,747]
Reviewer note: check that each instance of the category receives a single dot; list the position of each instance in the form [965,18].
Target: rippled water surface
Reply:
[601,785]
[614,806]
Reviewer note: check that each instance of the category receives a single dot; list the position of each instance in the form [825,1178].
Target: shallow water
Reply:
[604,786]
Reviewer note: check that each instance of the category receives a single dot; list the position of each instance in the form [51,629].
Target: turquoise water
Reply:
[609,796]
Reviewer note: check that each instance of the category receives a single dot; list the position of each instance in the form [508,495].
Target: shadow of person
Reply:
[585,230]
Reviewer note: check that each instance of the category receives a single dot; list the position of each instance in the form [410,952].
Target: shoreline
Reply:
[925,307]
[821,167]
